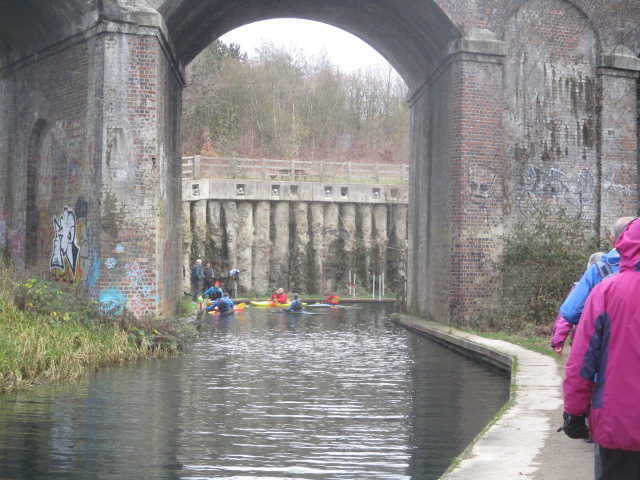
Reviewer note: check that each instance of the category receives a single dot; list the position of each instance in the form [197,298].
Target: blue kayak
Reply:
[299,312]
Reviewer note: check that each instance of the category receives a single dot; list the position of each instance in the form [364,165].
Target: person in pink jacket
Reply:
[561,328]
[603,370]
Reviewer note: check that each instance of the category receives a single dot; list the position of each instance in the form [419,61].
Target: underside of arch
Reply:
[411,35]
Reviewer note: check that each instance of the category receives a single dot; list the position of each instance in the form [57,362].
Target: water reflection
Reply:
[345,395]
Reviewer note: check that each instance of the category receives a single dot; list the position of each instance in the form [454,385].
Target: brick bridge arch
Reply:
[512,103]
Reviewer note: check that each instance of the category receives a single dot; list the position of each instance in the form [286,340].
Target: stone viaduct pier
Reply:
[513,104]
[294,225]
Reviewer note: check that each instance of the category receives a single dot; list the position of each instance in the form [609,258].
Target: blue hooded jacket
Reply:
[572,307]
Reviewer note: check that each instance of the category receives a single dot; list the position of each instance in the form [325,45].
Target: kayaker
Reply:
[224,304]
[295,306]
[332,299]
[214,292]
[279,296]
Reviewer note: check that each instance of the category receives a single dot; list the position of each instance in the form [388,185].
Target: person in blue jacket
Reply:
[295,305]
[214,292]
[572,307]
[224,304]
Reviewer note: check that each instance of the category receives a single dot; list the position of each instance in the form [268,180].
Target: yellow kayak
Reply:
[270,303]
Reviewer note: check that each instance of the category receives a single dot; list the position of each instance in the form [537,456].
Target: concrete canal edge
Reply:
[523,442]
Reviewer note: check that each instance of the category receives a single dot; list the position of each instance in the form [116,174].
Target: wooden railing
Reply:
[200,167]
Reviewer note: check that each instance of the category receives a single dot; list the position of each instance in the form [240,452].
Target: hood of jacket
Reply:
[628,246]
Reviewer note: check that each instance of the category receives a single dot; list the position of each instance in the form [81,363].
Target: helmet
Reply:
[295,295]
[217,284]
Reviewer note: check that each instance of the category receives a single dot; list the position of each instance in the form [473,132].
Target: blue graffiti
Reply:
[94,272]
[112,300]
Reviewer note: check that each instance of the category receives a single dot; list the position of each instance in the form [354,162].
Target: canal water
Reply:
[342,395]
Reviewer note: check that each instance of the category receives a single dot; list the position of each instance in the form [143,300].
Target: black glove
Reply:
[575,426]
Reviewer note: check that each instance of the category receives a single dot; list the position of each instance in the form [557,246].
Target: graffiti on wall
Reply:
[482,180]
[556,190]
[112,300]
[3,231]
[68,149]
[17,244]
[615,181]
[89,263]
[135,277]
[64,258]
[73,257]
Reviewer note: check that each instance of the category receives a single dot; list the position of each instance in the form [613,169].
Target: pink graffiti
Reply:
[17,242]
[137,306]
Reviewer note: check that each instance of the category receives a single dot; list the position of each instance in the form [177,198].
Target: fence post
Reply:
[264,168]
[293,170]
[196,167]
[377,172]
[349,172]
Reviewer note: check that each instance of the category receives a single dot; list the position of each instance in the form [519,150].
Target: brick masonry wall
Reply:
[552,120]
[619,194]
[49,138]
[94,122]
[102,211]
[141,198]
[476,166]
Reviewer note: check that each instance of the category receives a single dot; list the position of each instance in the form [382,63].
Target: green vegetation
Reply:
[49,335]
[279,104]
[543,255]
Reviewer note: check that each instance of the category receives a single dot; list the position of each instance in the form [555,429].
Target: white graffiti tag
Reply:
[65,246]
[135,277]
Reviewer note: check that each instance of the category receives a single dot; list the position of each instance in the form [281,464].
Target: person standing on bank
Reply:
[208,275]
[196,279]
[603,371]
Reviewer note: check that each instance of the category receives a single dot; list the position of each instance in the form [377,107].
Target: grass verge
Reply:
[50,335]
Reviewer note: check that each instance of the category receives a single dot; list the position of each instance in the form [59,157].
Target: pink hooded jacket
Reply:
[603,370]
[562,329]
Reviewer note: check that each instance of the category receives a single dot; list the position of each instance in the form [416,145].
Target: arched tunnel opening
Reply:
[267,100]
[488,142]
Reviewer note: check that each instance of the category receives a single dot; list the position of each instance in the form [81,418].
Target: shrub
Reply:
[542,256]
[48,334]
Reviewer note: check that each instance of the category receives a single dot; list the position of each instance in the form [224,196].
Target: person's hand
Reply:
[575,426]
[558,349]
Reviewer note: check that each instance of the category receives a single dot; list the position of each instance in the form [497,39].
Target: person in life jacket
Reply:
[224,305]
[214,292]
[279,296]
[295,306]
[332,299]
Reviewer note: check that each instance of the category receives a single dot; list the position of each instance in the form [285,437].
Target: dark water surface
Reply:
[344,395]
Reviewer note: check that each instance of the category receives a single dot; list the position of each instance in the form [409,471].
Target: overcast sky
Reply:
[344,49]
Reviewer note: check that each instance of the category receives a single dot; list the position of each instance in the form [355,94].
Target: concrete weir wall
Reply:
[304,237]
